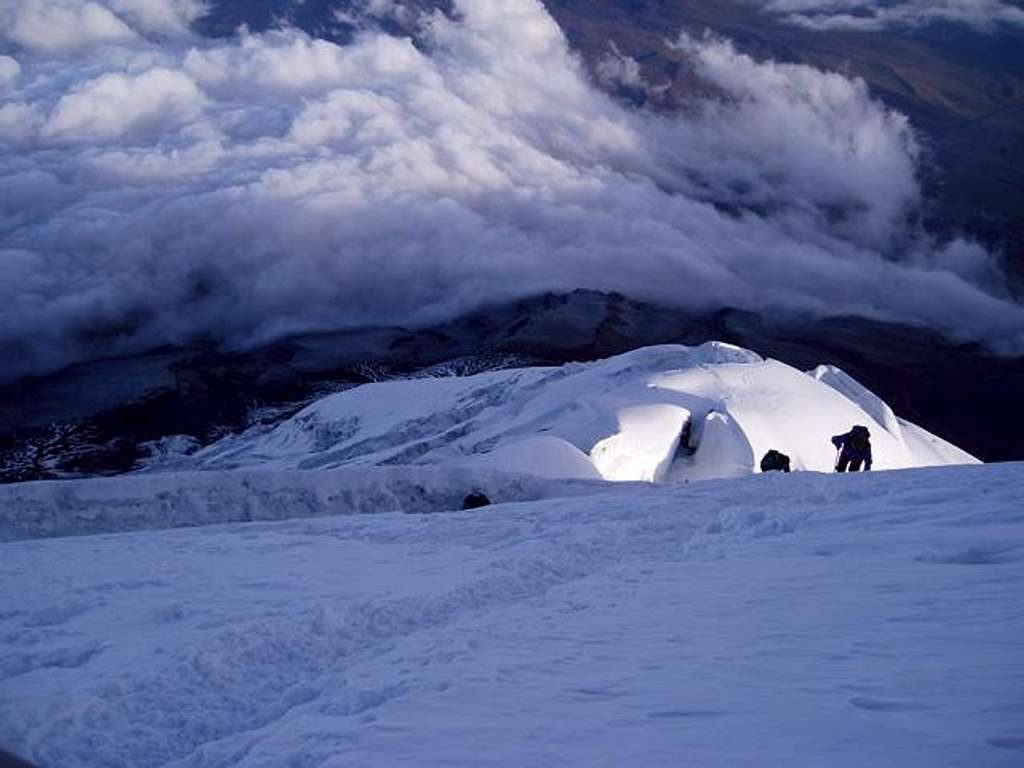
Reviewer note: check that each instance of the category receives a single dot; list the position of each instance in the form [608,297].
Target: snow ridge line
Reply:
[177,500]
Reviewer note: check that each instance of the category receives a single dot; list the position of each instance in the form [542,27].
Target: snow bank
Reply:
[541,456]
[668,413]
[172,500]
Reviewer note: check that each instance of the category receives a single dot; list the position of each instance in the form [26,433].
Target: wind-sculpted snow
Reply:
[173,500]
[872,404]
[798,620]
[667,414]
[661,414]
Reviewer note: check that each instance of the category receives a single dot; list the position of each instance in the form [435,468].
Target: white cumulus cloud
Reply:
[874,15]
[61,25]
[10,71]
[168,17]
[115,105]
[162,189]
[57,27]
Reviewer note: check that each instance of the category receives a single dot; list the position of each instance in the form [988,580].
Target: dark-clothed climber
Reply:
[854,450]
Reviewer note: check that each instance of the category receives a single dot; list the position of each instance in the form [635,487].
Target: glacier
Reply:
[311,594]
[668,413]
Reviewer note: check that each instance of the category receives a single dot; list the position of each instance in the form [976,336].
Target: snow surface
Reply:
[797,620]
[305,595]
[660,414]
[173,500]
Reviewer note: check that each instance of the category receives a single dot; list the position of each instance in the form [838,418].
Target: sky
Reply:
[160,187]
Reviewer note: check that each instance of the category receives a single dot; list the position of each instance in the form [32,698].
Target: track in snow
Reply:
[801,620]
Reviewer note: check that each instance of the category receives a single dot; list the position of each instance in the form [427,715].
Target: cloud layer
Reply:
[875,15]
[159,188]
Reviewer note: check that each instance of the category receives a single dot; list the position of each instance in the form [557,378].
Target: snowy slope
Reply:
[806,619]
[800,620]
[661,414]
[668,413]
[175,500]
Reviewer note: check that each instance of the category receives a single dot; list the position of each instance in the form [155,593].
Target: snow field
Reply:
[660,414]
[284,597]
[800,620]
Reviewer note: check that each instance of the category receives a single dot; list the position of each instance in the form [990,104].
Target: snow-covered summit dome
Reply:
[659,414]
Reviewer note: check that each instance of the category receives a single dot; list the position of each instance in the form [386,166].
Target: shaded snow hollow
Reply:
[660,414]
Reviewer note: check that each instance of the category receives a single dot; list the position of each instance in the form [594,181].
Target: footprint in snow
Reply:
[61,658]
[56,614]
[597,693]
[1015,743]
[693,714]
[883,705]
[979,554]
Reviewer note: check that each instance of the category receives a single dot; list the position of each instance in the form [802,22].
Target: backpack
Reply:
[774,461]
[476,500]
[860,439]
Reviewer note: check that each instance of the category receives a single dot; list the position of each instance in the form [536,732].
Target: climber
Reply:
[854,450]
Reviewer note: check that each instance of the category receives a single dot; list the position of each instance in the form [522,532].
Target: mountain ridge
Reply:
[109,411]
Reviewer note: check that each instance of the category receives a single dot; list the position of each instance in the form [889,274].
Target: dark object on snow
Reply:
[475,500]
[774,461]
[854,450]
